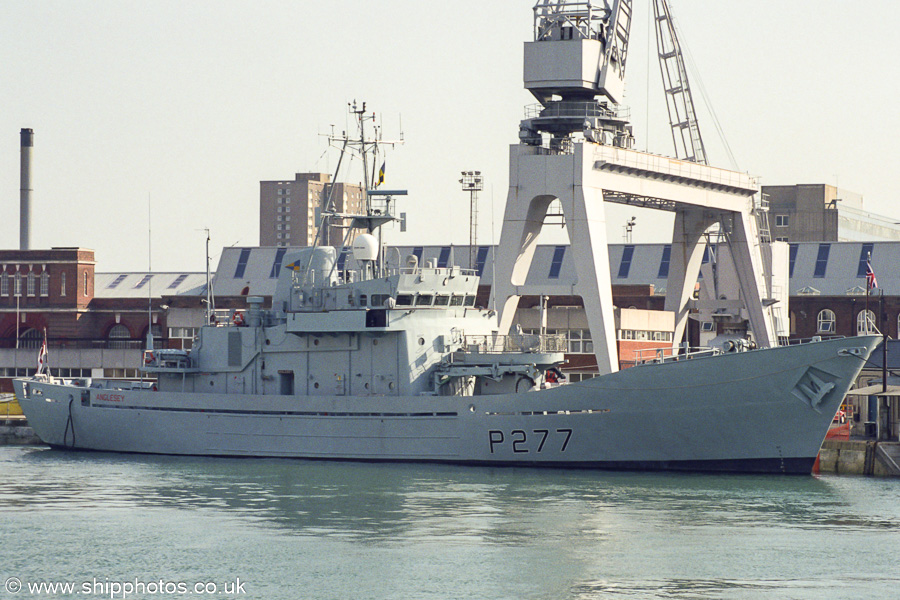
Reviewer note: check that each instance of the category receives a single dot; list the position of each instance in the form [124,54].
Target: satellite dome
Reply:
[365,247]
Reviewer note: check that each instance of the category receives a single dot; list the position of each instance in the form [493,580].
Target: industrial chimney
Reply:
[25,190]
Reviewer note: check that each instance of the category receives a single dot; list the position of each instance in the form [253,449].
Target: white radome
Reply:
[365,247]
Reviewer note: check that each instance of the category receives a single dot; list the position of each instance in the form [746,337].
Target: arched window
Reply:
[119,336]
[31,338]
[826,321]
[865,326]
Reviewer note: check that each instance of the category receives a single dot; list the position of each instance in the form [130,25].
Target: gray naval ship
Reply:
[377,360]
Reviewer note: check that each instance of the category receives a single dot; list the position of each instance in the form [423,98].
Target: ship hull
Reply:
[764,411]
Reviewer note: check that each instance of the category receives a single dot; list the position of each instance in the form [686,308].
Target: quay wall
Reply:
[860,457]
[18,435]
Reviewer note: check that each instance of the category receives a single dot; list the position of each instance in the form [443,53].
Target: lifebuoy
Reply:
[238,318]
[149,358]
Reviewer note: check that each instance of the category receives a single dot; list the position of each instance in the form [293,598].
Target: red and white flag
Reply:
[42,356]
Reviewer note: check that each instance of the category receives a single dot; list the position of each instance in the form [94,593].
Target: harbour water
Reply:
[316,530]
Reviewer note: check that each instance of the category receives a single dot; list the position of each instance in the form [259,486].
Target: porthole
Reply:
[315,342]
[316,385]
[374,342]
[366,386]
[421,341]
[391,385]
[471,408]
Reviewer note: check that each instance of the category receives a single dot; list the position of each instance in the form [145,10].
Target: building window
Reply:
[579,341]
[45,283]
[242,263]
[864,254]
[664,262]
[865,323]
[29,283]
[822,260]
[4,284]
[185,334]
[31,338]
[115,282]
[625,265]
[276,264]
[85,283]
[62,283]
[481,259]
[178,281]
[825,321]
[792,253]
[444,257]
[144,281]
[17,285]
[782,220]
[781,239]
[119,336]
[556,264]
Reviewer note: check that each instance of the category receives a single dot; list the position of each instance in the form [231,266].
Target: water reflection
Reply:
[430,531]
[391,503]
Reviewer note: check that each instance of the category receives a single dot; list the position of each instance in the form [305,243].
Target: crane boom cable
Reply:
[707,102]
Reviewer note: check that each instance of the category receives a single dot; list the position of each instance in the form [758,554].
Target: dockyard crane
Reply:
[585,97]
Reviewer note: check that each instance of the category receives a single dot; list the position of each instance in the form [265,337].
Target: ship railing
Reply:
[810,340]
[522,342]
[649,356]
[345,276]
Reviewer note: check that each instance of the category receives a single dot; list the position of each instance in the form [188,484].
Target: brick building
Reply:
[96,323]
[290,211]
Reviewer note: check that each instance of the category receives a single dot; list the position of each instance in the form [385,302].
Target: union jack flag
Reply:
[871,282]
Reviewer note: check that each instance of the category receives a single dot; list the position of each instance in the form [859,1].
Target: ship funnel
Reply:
[25,190]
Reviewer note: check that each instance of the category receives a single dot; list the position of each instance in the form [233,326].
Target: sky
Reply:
[156,120]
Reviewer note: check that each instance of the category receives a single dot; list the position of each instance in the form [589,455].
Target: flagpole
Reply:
[868,286]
